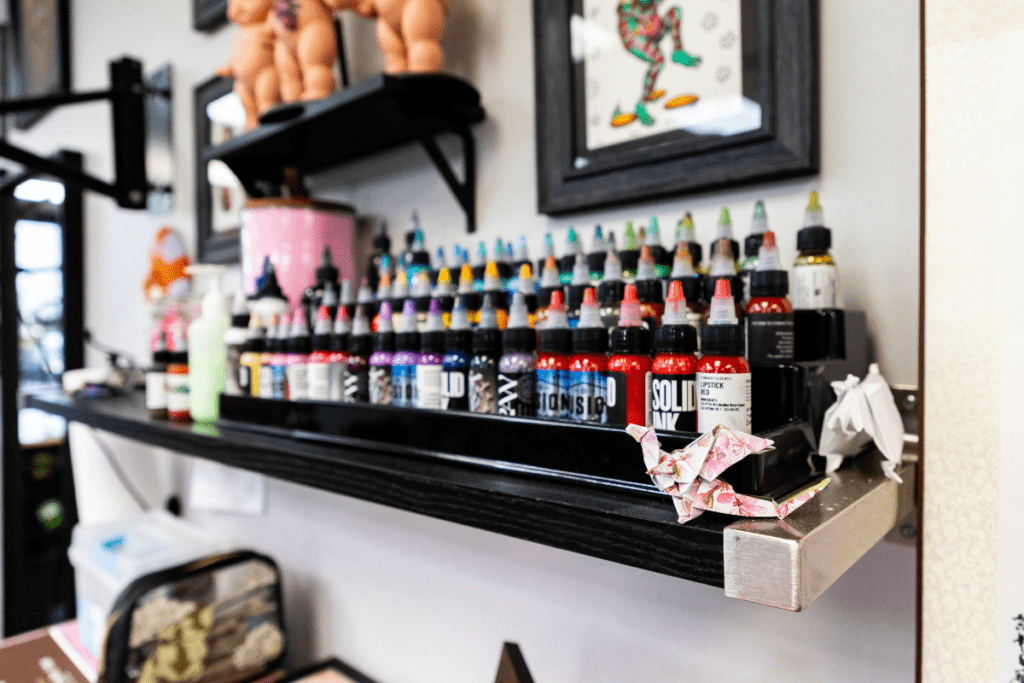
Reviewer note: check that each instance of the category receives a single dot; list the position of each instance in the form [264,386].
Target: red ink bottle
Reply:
[587,385]
[553,356]
[723,374]
[769,320]
[628,385]
[674,371]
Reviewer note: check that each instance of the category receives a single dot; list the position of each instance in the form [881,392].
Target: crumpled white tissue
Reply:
[864,411]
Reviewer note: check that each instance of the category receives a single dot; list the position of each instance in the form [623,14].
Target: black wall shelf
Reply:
[373,115]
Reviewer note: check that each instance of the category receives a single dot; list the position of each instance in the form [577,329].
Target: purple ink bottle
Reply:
[380,359]
[428,369]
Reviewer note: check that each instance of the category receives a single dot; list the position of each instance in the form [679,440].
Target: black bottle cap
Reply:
[478,272]
[555,340]
[447,304]
[735,287]
[752,244]
[178,358]
[498,299]
[635,340]
[240,320]
[696,253]
[545,294]
[531,302]
[649,292]
[675,339]
[504,269]
[723,340]
[322,342]
[458,341]
[383,341]
[487,342]
[270,287]
[769,283]
[422,303]
[595,261]
[692,287]
[630,259]
[818,237]
[420,258]
[299,344]
[432,342]
[339,342]
[566,263]
[611,292]
[474,300]
[662,256]
[519,339]
[590,340]
[407,341]
[163,356]
[574,298]
[359,344]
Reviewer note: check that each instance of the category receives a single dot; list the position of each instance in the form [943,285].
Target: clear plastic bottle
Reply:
[207,354]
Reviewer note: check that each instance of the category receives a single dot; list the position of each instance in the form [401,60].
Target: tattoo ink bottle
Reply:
[549,250]
[525,285]
[598,254]
[495,294]
[458,345]
[611,289]
[589,365]
[522,257]
[469,295]
[550,283]
[365,299]
[380,360]
[265,386]
[421,300]
[723,374]
[383,294]
[381,249]
[429,365]
[567,263]
[445,295]
[504,267]
[339,356]
[691,284]
[723,268]
[346,300]
[483,368]
[177,383]
[234,344]
[662,258]
[517,364]
[815,278]
[686,232]
[752,246]
[357,368]
[725,233]
[630,254]
[579,284]
[249,362]
[279,361]
[674,371]
[437,265]
[479,265]
[297,368]
[405,360]
[419,257]
[648,290]
[770,337]
[629,368]
[552,375]
[399,293]
[318,375]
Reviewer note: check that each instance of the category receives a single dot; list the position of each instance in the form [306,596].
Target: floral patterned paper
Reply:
[690,475]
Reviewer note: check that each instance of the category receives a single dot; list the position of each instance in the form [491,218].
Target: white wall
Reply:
[411,599]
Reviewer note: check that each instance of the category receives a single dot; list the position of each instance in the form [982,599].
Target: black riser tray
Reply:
[593,454]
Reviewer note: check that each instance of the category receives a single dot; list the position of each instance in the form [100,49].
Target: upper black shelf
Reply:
[373,115]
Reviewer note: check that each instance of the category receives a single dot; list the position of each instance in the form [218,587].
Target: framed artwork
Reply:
[219,194]
[331,671]
[39,54]
[209,15]
[639,99]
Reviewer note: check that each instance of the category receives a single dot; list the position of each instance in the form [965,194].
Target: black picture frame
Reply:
[332,664]
[785,78]
[39,54]
[209,15]
[211,246]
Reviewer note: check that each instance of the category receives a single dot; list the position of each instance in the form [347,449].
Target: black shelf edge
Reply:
[620,526]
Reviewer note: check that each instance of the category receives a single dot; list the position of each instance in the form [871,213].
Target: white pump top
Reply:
[214,303]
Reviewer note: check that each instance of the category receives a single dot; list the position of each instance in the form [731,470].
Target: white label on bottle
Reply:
[815,286]
[319,381]
[723,399]
[298,383]
[428,386]
[266,381]
[336,382]
[177,392]
[156,390]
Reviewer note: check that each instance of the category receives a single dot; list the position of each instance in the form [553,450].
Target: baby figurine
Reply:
[305,48]
[251,61]
[409,31]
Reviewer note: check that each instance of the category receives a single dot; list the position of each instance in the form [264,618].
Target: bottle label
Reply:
[483,390]
[551,390]
[454,394]
[815,286]
[319,380]
[515,394]
[233,377]
[177,393]
[770,338]
[674,402]
[156,390]
[587,397]
[266,381]
[336,381]
[356,386]
[403,385]
[617,400]
[244,380]
[723,399]
[428,386]
[279,382]
[380,385]
[298,381]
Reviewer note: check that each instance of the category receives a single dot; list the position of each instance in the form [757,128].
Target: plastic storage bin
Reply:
[107,557]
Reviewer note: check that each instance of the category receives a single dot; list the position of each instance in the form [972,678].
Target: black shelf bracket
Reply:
[464,190]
